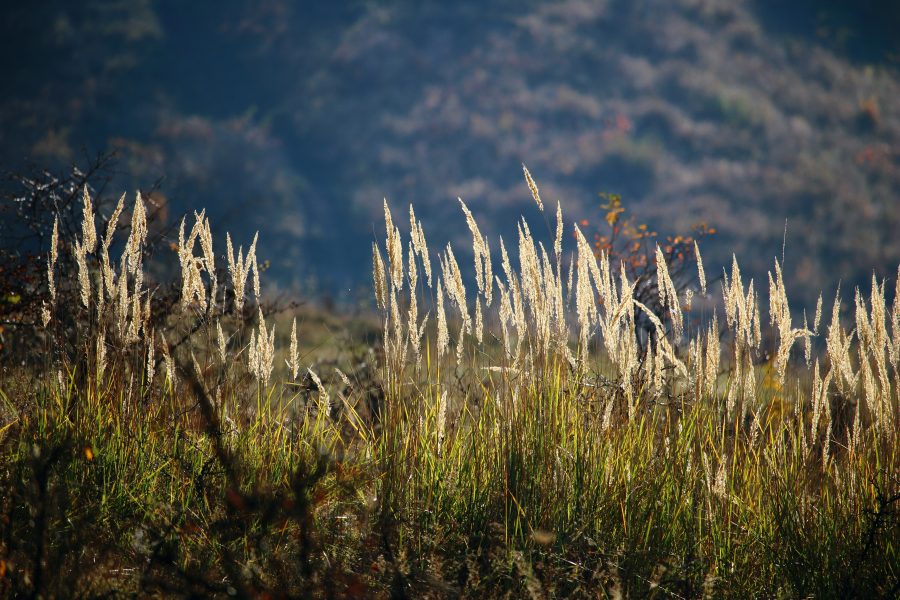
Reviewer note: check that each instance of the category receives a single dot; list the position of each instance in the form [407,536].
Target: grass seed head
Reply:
[532,187]
[51,260]
[167,360]
[379,278]
[557,242]
[84,280]
[293,361]
[265,351]
[150,369]
[701,274]
[88,228]
[324,398]
[221,342]
[443,335]
[238,268]
[100,355]
[394,249]
[479,325]
[668,295]
[419,243]
[456,289]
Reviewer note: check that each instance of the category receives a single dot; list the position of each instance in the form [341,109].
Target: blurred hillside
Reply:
[297,118]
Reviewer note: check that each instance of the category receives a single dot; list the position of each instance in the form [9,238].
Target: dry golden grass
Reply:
[583,443]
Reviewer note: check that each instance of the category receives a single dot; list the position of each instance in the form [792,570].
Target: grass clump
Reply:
[527,438]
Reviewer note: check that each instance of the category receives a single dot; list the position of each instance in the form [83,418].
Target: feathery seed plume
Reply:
[488,273]
[107,274]
[837,344]
[388,222]
[239,267]
[701,274]
[414,230]
[412,272]
[253,355]
[344,379]
[221,342]
[84,282]
[456,290]
[460,340]
[209,259]
[113,223]
[504,314]
[265,351]
[711,359]
[293,361]
[479,325]
[51,260]
[88,229]
[254,270]
[324,398]
[134,328]
[557,243]
[647,365]
[780,317]
[249,260]
[379,278]
[816,400]
[396,347]
[138,233]
[668,296]
[482,255]
[418,240]
[101,354]
[394,249]
[895,325]
[192,288]
[477,241]
[818,317]
[413,314]
[532,186]
[507,266]
[423,252]
[443,336]
[585,305]
[54,241]
[658,367]
[151,363]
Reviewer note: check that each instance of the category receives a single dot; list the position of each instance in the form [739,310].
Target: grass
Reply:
[529,441]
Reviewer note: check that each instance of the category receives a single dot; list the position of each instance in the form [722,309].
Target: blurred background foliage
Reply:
[296,118]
